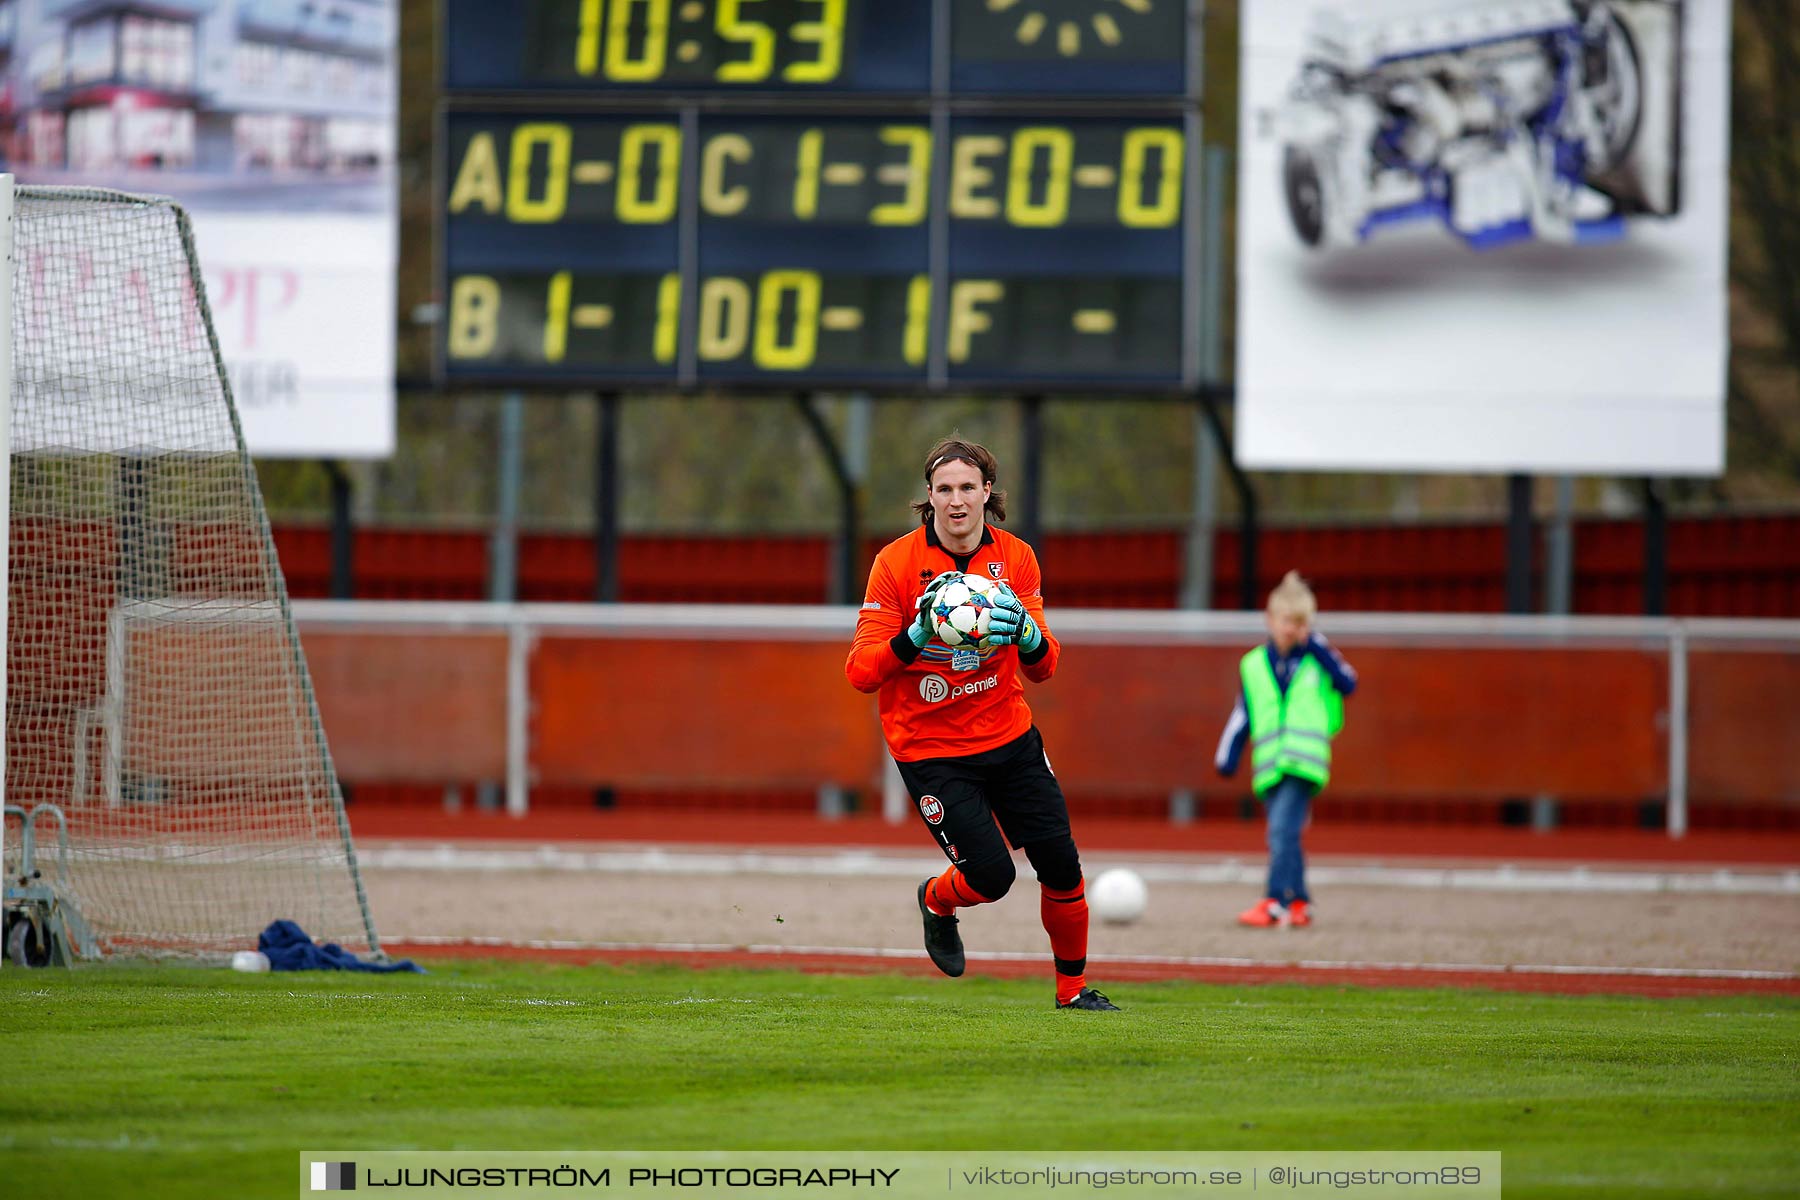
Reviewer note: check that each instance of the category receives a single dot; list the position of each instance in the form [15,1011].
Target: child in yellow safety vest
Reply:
[1290,705]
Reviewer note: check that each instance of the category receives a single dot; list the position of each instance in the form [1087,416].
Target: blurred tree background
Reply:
[709,463]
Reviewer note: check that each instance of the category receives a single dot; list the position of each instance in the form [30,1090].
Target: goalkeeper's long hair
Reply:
[977,456]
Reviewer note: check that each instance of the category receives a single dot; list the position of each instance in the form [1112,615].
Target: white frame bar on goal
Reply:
[524,624]
[230,613]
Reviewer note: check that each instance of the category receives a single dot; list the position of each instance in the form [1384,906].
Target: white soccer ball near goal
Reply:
[960,613]
[1118,896]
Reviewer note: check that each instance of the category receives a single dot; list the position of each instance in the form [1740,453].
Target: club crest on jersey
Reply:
[996,569]
[932,809]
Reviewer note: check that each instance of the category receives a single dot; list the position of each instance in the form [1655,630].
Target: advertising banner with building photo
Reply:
[1483,235]
[273,122]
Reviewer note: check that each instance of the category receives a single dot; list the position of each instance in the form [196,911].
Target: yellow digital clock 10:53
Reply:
[685,41]
[894,47]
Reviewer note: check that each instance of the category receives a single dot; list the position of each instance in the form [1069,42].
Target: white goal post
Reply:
[148,623]
[6,374]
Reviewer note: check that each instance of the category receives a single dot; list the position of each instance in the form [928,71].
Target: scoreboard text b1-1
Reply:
[760,238]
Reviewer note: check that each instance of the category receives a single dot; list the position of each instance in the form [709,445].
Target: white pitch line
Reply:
[1143,960]
[1505,877]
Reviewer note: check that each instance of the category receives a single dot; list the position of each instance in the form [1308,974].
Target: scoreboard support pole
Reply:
[1197,555]
[843,576]
[1197,547]
[606,498]
[503,542]
[1031,476]
[835,802]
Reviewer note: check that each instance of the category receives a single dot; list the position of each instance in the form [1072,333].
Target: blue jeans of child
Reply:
[1286,804]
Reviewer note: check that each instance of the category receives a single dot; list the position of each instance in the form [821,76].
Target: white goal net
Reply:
[156,692]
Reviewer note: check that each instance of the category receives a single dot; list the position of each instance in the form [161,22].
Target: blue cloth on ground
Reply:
[290,949]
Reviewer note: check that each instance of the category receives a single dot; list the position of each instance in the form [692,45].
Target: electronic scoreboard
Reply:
[894,194]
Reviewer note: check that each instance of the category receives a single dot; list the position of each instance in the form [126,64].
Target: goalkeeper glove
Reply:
[920,631]
[1010,624]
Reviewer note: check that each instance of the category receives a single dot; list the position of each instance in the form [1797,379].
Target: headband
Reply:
[941,459]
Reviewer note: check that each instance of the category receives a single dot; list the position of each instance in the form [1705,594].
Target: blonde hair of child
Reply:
[1292,595]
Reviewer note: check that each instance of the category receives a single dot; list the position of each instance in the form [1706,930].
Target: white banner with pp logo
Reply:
[304,308]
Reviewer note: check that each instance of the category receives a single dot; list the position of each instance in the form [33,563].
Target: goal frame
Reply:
[276,607]
[6,380]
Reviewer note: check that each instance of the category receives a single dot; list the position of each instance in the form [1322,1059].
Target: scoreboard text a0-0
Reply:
[752,247]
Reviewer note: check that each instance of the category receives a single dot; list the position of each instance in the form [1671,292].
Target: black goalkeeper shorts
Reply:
[959,799]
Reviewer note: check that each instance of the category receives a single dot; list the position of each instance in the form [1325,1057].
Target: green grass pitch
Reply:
[182,1081]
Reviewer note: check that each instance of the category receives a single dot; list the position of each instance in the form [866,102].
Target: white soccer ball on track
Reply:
[1118,896]
[960,613]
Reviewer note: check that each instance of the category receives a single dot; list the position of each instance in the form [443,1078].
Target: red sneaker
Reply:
[1300,912]
[1263,914]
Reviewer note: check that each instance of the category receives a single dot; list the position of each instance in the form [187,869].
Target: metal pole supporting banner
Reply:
[1249,594]
[1559,550]
[1248,599]
[1656,550]
[343,533]
[1518,544]
[1559,571]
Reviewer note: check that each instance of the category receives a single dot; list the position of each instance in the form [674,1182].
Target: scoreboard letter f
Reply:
[966,316]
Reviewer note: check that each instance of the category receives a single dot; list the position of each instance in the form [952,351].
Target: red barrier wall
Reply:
[1428,723]
[658,712]
[1481,724]
[1718,566]
[1597,732]
[414,708]
[1744,725]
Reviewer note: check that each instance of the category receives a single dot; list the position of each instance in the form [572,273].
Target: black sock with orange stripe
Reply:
[1065,916]
[951,891]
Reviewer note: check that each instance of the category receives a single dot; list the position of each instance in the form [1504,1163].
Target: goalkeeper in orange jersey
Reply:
[956,721]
